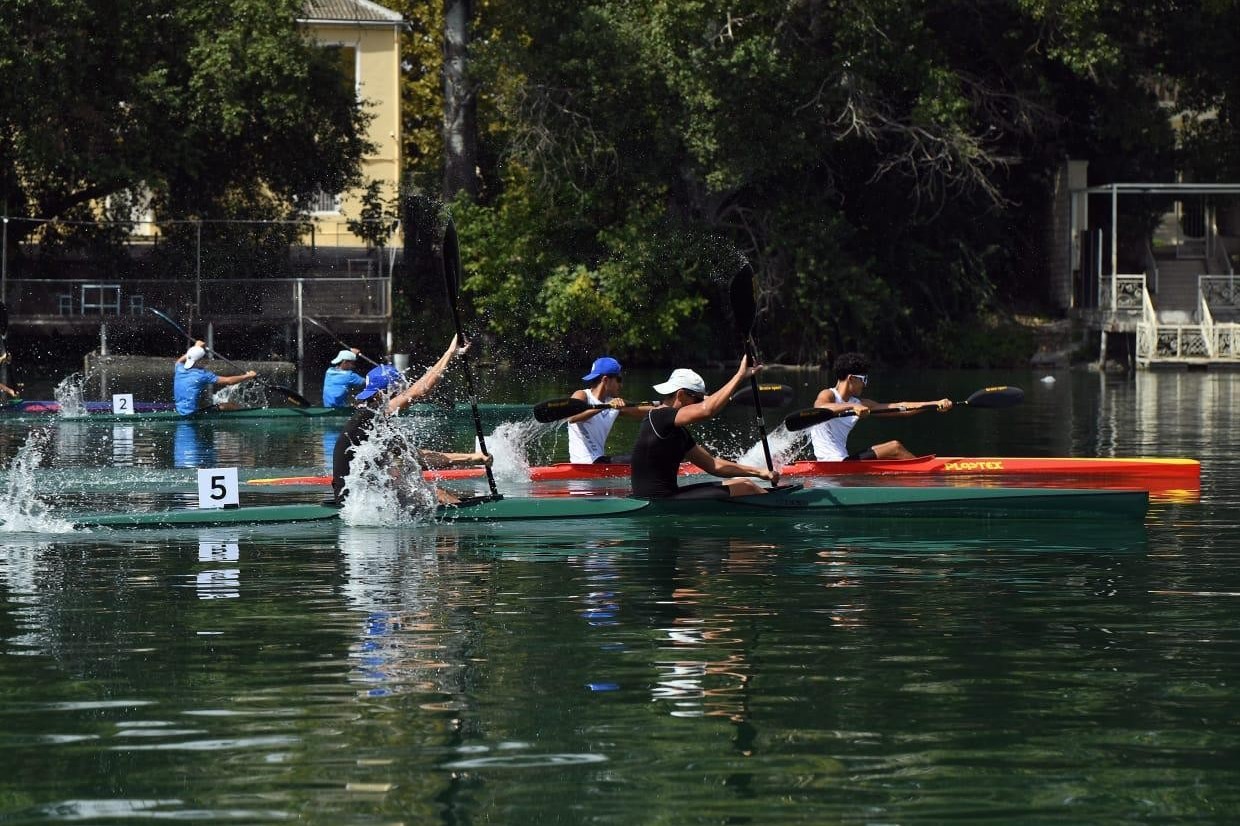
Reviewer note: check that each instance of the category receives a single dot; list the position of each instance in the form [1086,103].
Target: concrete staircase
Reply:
[1176,299]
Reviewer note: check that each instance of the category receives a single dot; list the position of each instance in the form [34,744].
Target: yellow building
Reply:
[366,37]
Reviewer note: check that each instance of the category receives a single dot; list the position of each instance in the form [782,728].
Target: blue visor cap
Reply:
[603,366]
[378,380]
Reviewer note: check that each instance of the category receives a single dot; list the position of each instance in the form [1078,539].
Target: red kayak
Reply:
[1137,473]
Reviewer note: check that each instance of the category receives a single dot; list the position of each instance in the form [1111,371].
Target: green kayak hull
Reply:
[793,504]
[487,411]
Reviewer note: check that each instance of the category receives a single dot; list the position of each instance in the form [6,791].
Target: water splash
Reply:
[385,486]
[509,445]
[784,447]
[69,394]
[246,394]
[21,508]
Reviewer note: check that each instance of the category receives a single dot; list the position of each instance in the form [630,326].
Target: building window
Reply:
[346,59]
[324,202]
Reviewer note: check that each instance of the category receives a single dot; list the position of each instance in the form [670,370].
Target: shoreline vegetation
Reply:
[891,172]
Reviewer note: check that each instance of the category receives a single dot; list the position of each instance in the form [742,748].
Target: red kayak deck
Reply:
[1155,474]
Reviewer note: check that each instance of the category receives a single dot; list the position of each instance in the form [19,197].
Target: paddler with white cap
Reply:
[663,442]
[340,379]
[190,378]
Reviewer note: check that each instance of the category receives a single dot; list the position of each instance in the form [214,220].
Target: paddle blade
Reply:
[294,398]
[770,395]
[742,294]
[808,418]
[451,259]
[996,397]
[167,320]
[554,410]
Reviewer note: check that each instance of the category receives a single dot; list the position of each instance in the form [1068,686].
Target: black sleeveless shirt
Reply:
[660,448]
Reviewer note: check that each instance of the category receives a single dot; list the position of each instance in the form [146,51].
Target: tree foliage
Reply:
[220,109]
[885,165]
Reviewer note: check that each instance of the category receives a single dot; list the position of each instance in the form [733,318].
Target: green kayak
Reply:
[792,503]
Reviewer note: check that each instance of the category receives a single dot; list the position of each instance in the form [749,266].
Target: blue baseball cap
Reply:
[378,379]
[603,366]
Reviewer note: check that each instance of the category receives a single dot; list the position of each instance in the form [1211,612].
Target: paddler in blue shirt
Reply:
[190,379]
[386,394]
[340,379]
[663,442]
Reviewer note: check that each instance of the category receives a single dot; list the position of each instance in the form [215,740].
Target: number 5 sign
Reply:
[217,487]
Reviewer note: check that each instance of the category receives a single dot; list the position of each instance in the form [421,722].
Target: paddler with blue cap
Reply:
[588,431]
[386,395]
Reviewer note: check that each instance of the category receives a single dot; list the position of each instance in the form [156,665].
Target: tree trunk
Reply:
[460,121]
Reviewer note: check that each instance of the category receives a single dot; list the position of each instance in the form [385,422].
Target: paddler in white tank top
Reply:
[830,439]
[587,432]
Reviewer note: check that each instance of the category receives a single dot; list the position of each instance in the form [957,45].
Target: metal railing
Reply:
[1158,341]
[1221,258]
[1219,292]
[270,299]
[1206,319]
[1151,266]
[1121,293]
[218,250]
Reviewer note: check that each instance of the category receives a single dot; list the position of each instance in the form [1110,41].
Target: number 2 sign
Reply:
[217,487]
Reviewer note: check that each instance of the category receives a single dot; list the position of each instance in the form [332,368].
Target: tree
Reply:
[884,164]
[460,127]
[220,109]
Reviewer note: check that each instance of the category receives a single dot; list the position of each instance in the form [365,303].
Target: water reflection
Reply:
[215,582]
[193,446]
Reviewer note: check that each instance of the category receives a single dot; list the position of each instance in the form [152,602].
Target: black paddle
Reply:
[990,397]
[450,261]
[554,410]
[744,310]
[337,338]
[295,398]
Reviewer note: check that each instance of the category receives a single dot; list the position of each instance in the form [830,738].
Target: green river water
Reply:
[621,672]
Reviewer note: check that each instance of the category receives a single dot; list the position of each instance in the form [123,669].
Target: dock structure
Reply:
[1174,294]
[57,294]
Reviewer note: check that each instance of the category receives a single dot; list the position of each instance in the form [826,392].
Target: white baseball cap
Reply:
[682,379]
[194,355]
[344,355]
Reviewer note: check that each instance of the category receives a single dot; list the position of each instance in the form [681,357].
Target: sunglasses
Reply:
[619,378]
[865,380]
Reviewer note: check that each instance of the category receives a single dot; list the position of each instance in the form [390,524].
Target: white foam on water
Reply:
[21,508]
[385,486]
[784,447]
[509,446]
[246,394]
[69,393]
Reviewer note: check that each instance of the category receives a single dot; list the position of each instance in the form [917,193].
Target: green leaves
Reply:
[196,102]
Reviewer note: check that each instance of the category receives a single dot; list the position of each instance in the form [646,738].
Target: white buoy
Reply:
[1048,379]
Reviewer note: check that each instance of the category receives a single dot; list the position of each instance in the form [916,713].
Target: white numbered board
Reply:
[122,404]
[217,487]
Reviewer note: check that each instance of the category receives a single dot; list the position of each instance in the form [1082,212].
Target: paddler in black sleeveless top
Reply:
[663,442]
[361,425]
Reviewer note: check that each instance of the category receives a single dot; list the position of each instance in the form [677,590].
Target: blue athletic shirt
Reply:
[187,387]
[336,386]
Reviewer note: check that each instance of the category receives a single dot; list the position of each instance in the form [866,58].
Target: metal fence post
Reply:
[198,269]
[4,262]
[301,341]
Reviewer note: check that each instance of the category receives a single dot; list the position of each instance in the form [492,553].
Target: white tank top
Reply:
[588,440]
[830,439]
